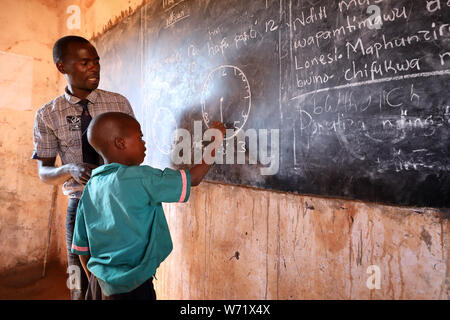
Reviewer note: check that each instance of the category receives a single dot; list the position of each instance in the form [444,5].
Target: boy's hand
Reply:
[199,171]
[219,126]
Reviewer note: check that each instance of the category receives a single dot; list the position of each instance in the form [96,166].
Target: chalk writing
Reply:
[312,16]
[354,44]
[386,67]
[216,48]
[169,4]
[436,5]
[358,46]
[245,36]
[271,26]
[322,59]
[349,4]
[364,83]
[177,14]
[443,57]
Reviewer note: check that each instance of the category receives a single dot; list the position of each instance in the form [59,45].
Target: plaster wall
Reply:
[240,243]
[27,80]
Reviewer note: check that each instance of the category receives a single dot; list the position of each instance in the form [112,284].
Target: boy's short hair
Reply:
[61,45]
[113,123]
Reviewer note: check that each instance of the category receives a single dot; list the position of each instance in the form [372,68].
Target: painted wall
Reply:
[241,243]
[27,80]
[229,242]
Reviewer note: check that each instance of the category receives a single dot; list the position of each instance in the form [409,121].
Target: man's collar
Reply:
[74,100]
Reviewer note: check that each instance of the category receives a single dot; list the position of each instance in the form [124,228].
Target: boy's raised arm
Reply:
[199,171]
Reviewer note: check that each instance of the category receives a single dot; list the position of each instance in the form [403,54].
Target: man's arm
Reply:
[50,174]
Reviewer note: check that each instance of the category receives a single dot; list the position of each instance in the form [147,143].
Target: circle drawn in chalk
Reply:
[226,96]
[163,127]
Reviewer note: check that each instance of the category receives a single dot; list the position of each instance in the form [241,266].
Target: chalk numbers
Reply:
[226,97]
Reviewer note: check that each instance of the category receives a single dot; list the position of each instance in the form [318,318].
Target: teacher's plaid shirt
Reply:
[57,128]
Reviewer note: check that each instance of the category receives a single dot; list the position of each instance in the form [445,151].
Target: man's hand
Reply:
[81,172]
[58,175]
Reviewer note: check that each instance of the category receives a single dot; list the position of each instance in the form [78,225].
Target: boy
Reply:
[121,233]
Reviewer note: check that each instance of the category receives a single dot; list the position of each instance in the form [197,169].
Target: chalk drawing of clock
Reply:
[226,97]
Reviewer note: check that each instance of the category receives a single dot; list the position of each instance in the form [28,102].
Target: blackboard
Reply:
[352,96]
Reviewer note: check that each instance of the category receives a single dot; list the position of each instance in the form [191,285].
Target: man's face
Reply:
[81,67]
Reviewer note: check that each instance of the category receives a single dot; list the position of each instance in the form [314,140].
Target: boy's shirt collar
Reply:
[106,167]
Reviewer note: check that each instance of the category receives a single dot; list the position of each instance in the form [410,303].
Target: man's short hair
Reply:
[61,45]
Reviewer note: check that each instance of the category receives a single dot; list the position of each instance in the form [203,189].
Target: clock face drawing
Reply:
[226,97]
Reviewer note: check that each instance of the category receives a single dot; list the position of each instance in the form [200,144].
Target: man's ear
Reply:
[119,143]
[60,67]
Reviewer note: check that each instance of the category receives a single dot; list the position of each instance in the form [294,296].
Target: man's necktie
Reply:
[89,154]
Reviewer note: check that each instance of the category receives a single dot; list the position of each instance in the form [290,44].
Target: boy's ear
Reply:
[119,143]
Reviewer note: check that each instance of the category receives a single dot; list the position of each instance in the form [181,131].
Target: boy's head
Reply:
[117,137]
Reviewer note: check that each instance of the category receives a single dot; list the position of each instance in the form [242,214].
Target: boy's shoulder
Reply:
[137,171]
[115,175]
[149,175]
[123,172]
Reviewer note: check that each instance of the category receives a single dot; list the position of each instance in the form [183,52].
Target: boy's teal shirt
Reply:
[120,222]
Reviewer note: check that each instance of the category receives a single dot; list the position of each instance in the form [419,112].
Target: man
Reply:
[60,128]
